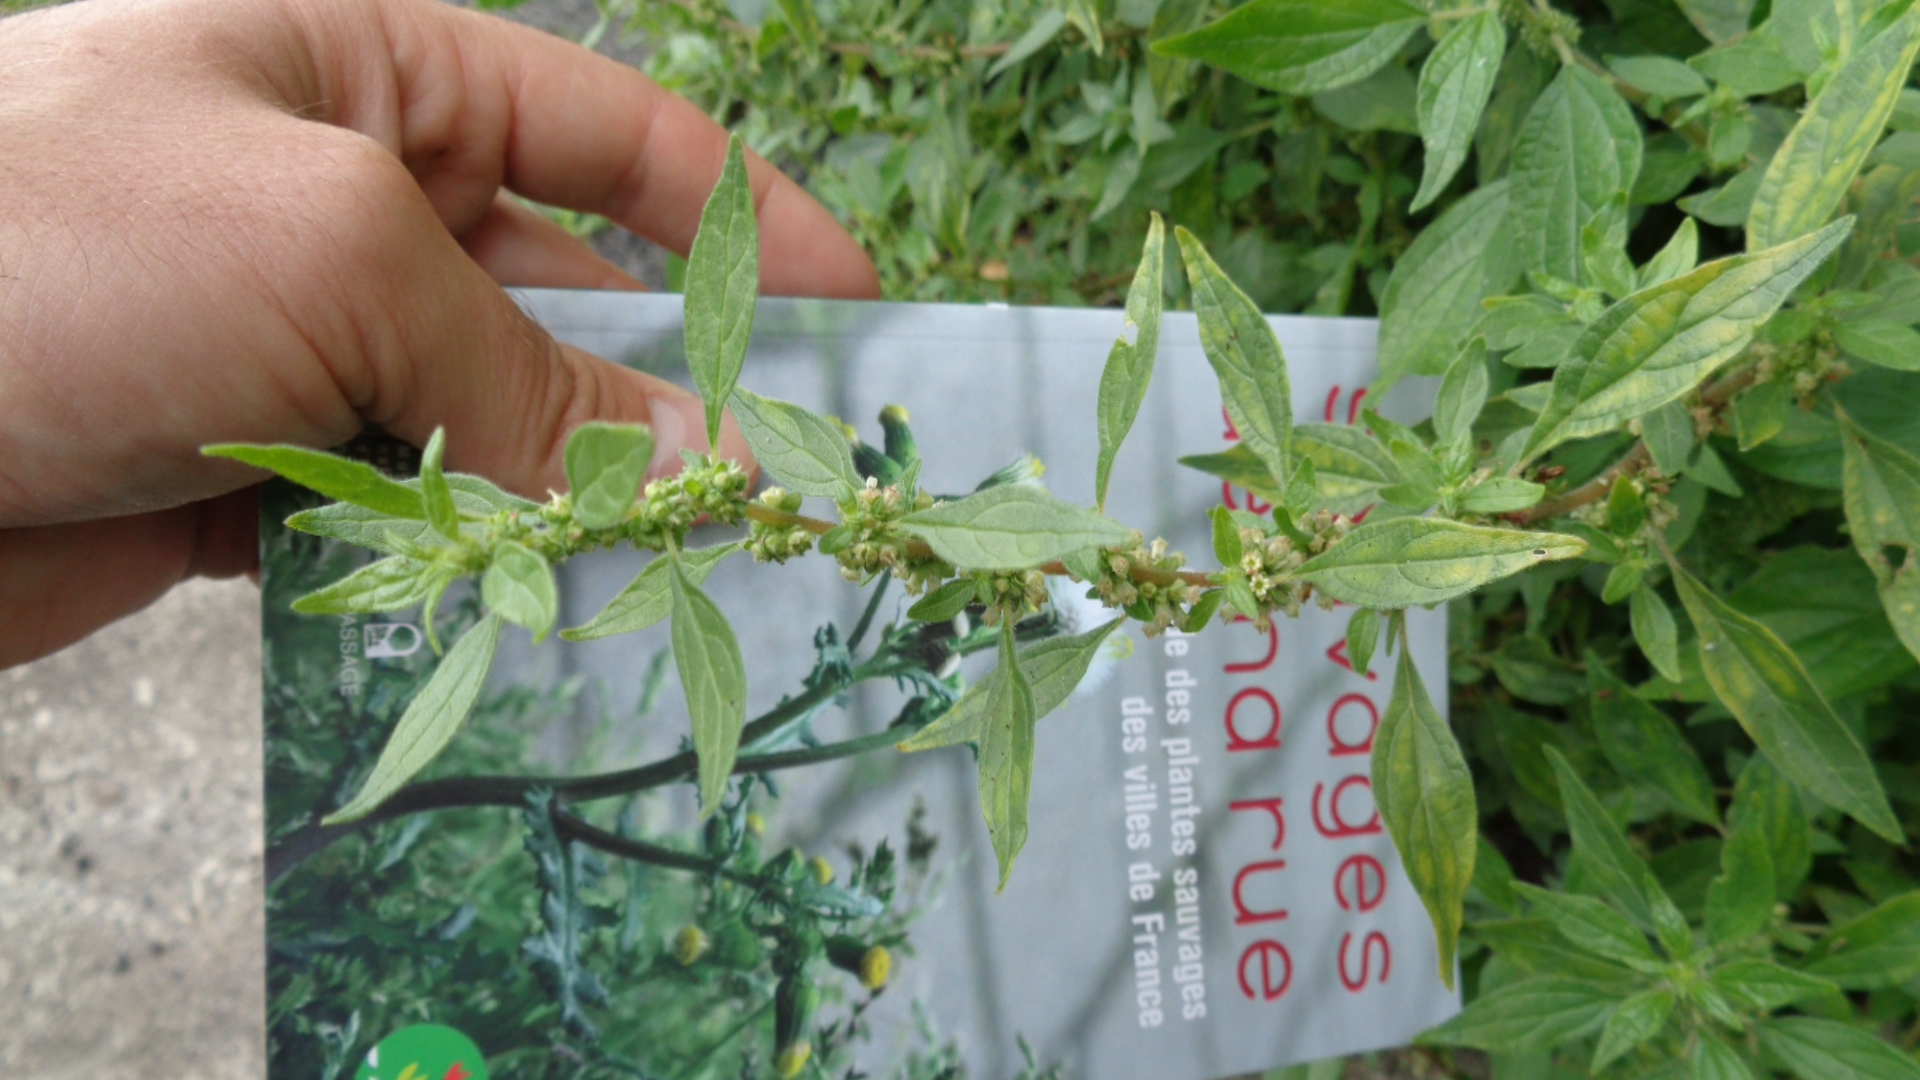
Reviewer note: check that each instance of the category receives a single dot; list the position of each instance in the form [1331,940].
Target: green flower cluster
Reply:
[869,539]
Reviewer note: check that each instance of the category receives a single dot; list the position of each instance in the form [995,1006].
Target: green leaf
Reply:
[1740,900]
[806,452]
[1238,466]
[1758,984]
[1578,148]
[943,603]
[431,719]
[606,464]
[1046,26]
[1006,756]
[335,477]
[1878,950]
[1882,496]
[723,280]
[1011,527]
[1769,691]
[1761,412]
[1880,341]
[1613,868]
[435,494]
[1669,433]
[648,598]
[1593,926]
[1647,748]
[1123,383]
[1714,1060]
[366,528]
[1301,46]
[1405,561]
[1363,636]
[1463,393]
[1349,466]
[518,586]
[391,584]
[1658,344]
[1053,668]
[1661,75]
[1433,294]
[1226,537]
[1544,1012]
[1246,358]
[1633,1022]
[1425,795]
[715,681]
[1831,1050]
[1764,800]
[1455,82]
[1680,255]
[1719,20]
[1500,495]
[1749,66]
[1811,172]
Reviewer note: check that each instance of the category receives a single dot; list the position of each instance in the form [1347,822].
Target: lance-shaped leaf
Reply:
[1349,465]
[1053,668]
[1633,1022]
[1647,748]
[605,466]
[1246,358]
[1878,950]
[715,681]
[1578,148]
[1655,631]
[1301,46]
[1758,984]
[1618,874]
[1711,1059]
[1425,794]
[806,452]
[389,535]
[1123,384]
[1011,527]
[1006,756]
[431,719]
[1455,82]
[1831,1050]
[1593,926]
[1238,466]
[1433,294]
[1881,486]
[1813,169]
[723,278]
[391,584]
[1740,899]
[1405,561]
[1765,802]
[435,493]
[519,586]
[331,475]
[648,598]
[1658,344]
[1363,636]
[1548,1011]
[1768,690]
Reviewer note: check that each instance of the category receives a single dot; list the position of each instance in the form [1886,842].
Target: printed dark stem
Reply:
[510,791]
[570,827]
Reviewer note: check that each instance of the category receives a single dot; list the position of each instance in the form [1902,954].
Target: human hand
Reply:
[281,220]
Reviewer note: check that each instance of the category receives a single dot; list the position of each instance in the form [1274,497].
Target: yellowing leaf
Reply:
[1406,561]
[1301,46]
[1246,358]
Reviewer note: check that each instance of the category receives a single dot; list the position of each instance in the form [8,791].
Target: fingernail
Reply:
[679,420]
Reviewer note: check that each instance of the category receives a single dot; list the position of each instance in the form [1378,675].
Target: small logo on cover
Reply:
[386,639]
[424,1052]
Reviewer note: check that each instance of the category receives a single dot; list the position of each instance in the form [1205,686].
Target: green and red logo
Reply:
[424,1052]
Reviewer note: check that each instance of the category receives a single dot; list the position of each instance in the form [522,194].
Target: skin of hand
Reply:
[282,220]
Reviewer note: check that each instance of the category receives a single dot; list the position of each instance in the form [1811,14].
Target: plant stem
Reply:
[767,515]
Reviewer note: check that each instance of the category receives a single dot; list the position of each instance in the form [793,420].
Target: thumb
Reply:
[468,359]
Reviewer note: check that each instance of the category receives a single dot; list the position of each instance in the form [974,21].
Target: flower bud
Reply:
[689,945]
[822,870]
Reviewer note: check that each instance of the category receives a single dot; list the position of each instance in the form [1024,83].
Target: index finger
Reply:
[473,102]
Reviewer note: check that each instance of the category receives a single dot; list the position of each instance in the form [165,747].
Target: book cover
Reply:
[1206,890]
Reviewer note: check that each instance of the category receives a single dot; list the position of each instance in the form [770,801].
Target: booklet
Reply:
[1206,891]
